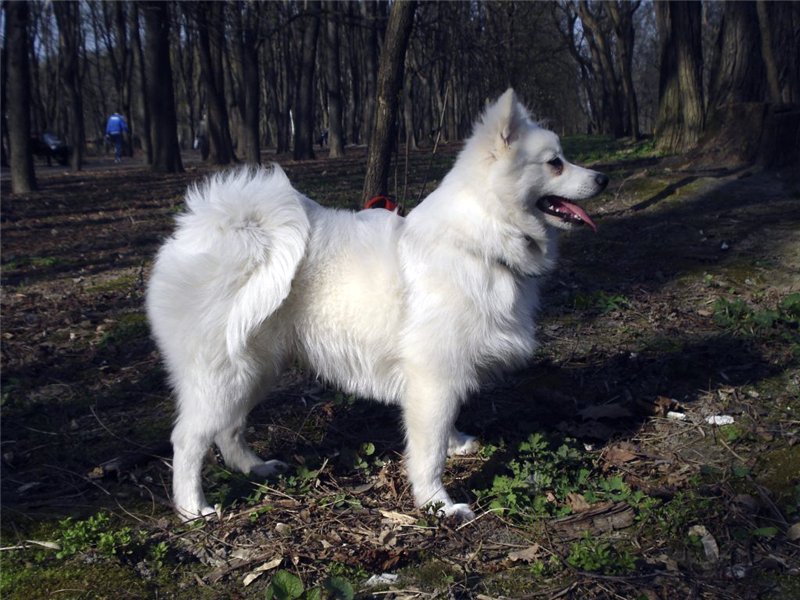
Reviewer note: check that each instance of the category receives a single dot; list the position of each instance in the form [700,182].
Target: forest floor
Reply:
[600,475]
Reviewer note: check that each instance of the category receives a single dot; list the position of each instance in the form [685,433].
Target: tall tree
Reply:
[334,78]
[145,131]
[597,36]
[211,27]
[304,97]
[69,33]
[390,77]
[622,17]
[369,52]
[754,104]
[246,18]
[160,94]
[681,118]
[23,178]
[739,74]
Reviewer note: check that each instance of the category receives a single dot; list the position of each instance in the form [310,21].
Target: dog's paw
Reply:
[461,444]
[269,468]
[205,512]
[461,512]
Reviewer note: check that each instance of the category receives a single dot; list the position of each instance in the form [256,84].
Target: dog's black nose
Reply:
[601,180]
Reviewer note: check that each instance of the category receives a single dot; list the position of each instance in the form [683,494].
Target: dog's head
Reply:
[528,160]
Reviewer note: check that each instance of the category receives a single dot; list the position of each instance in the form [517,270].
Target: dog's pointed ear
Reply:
[510,116]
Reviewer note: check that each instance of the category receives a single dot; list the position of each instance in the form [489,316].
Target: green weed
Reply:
[542,475]
[601,301]
[361,459]
[37,262]
[738,316]
[129,327]
[593,148]
[340,501]
[287,586]
[301,481]
[686,508]
[96,533]
[598,556]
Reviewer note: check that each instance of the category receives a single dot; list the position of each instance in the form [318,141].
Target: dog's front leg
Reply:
[429,412]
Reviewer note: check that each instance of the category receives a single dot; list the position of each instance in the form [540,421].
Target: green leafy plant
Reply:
[158,554]
[598,556]
[338,588]
[737,315]
[284,586]
[301,481]
[541,477]
[95,533]
[288,586]
[361,459]
[602,301]
[536,476]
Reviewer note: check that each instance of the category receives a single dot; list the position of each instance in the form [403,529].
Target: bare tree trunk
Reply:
[245,51]
[67,15]
[304,105]
[334,82]
[145,129]
[738,75]
[23,178]
[354,97]
[622,17]
[749,120]
[160,95]
[785,33]
[768,55]
[408,114]
[390,78]
[680,114]
[210,23]
[370,49]
[612,109]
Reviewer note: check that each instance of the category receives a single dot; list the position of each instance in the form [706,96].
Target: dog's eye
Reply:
[557,165]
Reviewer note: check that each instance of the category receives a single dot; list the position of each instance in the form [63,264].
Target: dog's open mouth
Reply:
[565,210]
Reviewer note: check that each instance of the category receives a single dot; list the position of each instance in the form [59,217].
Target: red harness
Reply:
[386,202]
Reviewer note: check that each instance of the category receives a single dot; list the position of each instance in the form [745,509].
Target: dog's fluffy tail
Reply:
[255,224]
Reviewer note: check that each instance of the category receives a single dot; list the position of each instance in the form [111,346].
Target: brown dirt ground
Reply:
[630,330]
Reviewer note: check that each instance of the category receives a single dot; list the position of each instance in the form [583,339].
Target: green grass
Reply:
[782,321]
[93,557]
[599,148]
[600,556]
[541,475]
[128,327]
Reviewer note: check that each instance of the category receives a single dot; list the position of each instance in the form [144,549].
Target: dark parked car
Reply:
[49,146]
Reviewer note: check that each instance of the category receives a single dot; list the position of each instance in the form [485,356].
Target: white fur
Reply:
[414,311]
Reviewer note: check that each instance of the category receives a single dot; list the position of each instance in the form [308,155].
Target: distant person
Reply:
[116,128]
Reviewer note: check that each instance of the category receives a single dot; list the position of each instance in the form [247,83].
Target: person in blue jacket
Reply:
[115,129]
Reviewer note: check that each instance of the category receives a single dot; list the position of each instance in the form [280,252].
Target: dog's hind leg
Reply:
[238,455]
[461,444]
[190,441]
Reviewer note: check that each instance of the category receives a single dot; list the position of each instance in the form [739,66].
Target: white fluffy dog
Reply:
[413,311]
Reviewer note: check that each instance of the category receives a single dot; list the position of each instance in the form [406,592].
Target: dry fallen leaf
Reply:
[577,502]
[259,571]
[397,517]
[710,546]
[618,455]
[527,555]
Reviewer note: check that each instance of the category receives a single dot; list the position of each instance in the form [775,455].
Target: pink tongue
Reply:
[576,210]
